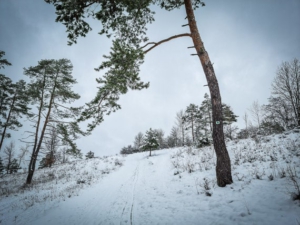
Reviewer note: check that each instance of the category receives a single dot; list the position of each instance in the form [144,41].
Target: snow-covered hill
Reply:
[174,186]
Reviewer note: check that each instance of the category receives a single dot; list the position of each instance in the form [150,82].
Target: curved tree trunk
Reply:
[223,168]
[7,120]
[39,144]
[33,154]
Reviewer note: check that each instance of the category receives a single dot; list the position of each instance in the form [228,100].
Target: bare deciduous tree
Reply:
[279,111]
[9,152]
[256,112]
[286,85]
[230,131]
[138,140]
[181,124]
[23,152]
[245,118]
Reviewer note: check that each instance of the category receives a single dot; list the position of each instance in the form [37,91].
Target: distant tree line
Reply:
[193,127]
[283,109]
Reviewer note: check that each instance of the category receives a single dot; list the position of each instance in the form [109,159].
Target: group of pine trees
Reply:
[193,127]
[45,101]
[194,124]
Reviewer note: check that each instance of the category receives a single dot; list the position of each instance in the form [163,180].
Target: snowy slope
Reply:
[167,188]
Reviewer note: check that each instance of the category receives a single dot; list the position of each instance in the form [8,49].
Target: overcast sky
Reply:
[246,41]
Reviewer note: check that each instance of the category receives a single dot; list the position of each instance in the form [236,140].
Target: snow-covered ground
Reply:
[174,186]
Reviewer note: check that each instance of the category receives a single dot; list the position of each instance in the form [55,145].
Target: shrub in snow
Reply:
[89,155]
[294,181]
[189,166]
[176,173]
[118,162]
[129,150]
[271,177]
[13,167]
[47,161]
[206,186]
[256,173]
[80,181]
[240,178]
[281,173]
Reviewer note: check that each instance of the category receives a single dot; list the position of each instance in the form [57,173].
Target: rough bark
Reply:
[193,134]
[223,167]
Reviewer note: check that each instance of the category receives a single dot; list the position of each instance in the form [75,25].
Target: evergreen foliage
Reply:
[159,133]
[89,155]
[42,163]
[269,126]
[13,167]
[13,103]
[129,150]
[126,21]
[122,75]
[206,110]
[5,93]
[150,141]
[228,116]
[192,116]
[3,62]
[50,90]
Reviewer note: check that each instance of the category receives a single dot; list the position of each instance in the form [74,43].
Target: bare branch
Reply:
[59,121]
[155,44]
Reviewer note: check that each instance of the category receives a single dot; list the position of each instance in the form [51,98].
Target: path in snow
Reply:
[126,196]
[145,191]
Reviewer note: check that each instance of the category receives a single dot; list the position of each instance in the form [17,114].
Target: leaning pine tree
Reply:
[51,91]
[126,21]
[13,106]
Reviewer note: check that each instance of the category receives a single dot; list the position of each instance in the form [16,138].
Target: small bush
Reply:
[281,173]
[118,162]
[271,177]
[295,182]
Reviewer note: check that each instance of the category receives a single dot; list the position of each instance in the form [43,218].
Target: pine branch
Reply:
[155,44]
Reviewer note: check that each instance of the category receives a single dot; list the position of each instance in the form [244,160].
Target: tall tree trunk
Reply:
[33,154]
[193,135]
[7,120]
[209,116]
[38,147]
[223,168]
